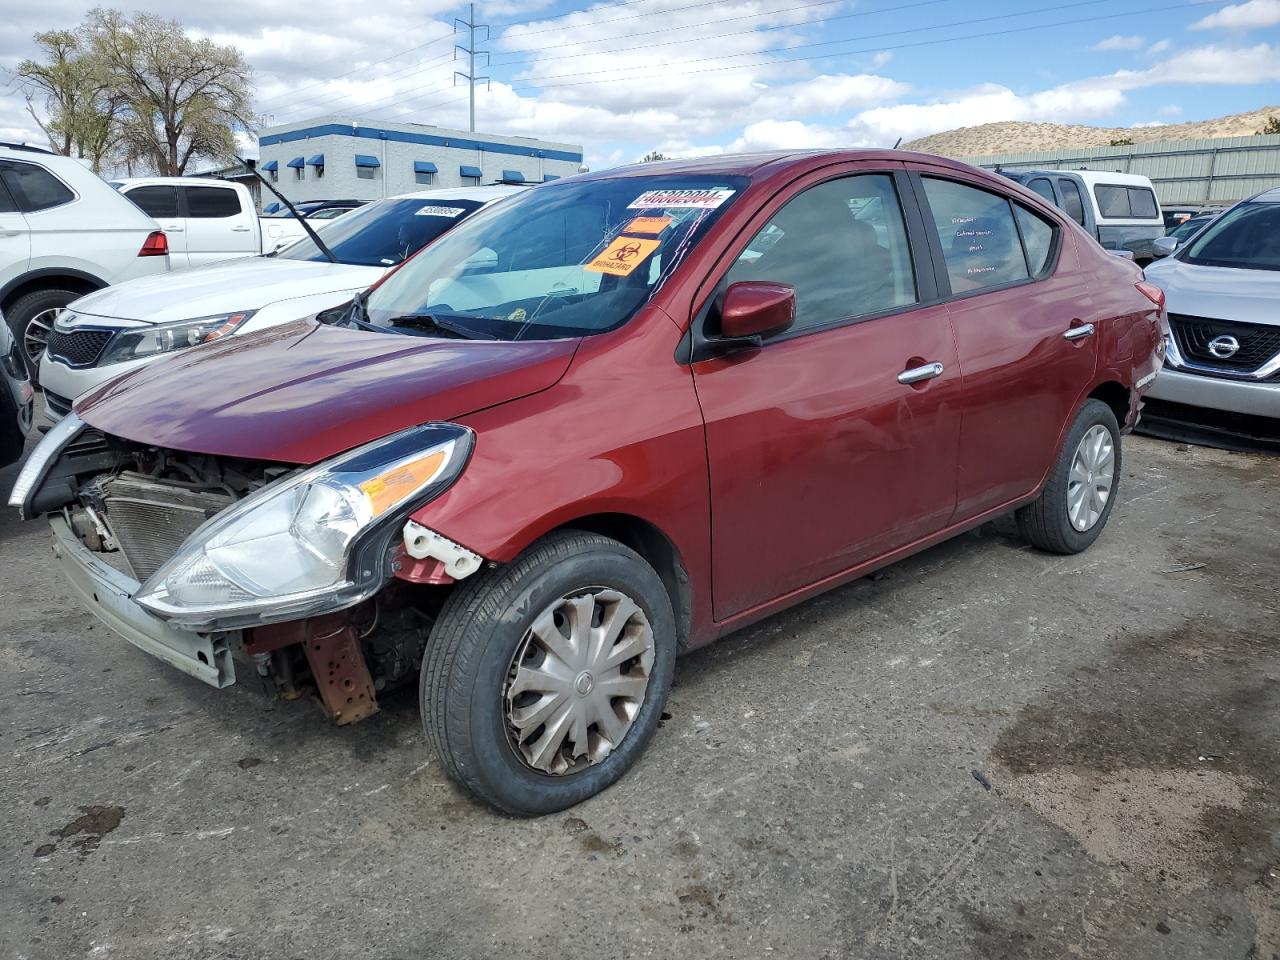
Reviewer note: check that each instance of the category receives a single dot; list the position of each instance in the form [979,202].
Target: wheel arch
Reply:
[48,278]
[657,549]
[1116,396]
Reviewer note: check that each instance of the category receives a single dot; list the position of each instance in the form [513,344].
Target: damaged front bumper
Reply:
[108,593]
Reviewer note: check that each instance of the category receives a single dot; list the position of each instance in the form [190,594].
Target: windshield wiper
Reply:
[315,238]
[436,321]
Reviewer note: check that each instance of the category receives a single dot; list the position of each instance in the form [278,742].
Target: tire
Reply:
[27,308]
[1047,521]
[470,670]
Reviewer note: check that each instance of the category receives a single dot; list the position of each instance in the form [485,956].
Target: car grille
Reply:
[79,348]
[150,519]
[1258,342]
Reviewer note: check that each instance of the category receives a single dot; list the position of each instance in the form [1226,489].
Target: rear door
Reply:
[15,237]
[159,201]
[219,224]
[821,457]
[1020,309]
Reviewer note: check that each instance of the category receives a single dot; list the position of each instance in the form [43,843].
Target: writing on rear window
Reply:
[681,199]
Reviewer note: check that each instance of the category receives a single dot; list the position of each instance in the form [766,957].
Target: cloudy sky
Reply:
[699,76]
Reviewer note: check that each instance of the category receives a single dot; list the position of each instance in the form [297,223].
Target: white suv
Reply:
[64,233]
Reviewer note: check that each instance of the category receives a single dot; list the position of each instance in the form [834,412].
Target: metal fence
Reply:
[1183,171]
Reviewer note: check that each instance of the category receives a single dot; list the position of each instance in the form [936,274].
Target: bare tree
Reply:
[78,112]
[181,98]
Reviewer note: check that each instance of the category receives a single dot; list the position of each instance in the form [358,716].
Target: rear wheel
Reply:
[31,318]
[544,680]
[1076,501]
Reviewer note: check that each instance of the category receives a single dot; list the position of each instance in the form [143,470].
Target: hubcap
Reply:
[1091,478]
[578,680]
[36,337]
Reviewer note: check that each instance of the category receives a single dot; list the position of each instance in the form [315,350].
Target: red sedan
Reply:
[598,424]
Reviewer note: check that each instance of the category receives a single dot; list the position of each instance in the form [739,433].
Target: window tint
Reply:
[1116,201]
[156,201]
[842,245]
[1037,238]
[1072,202]
[1043,187]
[209,203]
[34,188]
[1142,203]
[384,233]
[1246,237]
[979,241]
[6,200]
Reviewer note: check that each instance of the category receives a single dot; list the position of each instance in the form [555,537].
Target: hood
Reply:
[1220,293]
[246,284]
[304,391]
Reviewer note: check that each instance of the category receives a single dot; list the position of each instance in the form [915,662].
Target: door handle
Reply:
[174,228]
[1077,333]
[239,229]
[916,374]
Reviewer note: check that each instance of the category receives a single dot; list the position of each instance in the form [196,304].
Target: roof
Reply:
[1104,176]
[1268,196]
[184,181]
[480,194]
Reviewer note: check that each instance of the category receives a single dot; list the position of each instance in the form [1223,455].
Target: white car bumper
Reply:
[62,383]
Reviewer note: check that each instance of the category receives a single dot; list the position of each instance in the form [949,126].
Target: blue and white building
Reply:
[337,158]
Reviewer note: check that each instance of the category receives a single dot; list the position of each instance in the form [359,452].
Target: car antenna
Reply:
[252,168]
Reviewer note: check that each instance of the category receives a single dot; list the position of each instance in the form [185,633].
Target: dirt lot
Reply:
[819,790]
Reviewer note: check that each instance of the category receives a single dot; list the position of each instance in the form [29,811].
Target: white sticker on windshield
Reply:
[681,199]
[439,212]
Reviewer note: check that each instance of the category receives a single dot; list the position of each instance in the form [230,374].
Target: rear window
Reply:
[1117,202]
[212,203]
[383,233]
[34,188]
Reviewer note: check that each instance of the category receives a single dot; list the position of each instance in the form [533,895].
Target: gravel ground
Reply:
[981,752]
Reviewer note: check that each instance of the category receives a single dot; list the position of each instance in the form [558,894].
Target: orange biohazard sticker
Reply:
[622,256]
[650,225]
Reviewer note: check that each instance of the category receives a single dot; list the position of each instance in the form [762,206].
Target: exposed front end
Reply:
[228,568]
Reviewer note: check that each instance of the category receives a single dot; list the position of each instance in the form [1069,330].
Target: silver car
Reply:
[1221,379]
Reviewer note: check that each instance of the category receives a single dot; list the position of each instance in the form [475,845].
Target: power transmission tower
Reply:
[471,52]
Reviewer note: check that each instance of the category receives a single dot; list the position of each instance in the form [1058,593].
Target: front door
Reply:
[821,457]
[219,225]
[1020,308]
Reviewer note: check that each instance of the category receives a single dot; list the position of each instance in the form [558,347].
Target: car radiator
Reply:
[149,519]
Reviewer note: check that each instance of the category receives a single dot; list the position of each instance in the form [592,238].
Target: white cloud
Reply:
[1119,42]
[1250,15]
[1148,123]
[1160,46]
[881,58]
[1170,110]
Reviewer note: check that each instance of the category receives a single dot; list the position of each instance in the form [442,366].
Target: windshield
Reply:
[382,234]
[1246,237]
[565,260]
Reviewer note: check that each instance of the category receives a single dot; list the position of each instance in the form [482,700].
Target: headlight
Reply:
[310,543]
[138,342]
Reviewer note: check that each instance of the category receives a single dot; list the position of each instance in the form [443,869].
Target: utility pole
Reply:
[471,52]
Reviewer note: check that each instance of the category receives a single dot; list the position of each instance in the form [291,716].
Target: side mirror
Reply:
[1164,246]
[755,309]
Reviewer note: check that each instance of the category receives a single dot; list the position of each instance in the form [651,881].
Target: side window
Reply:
[842,245]
[34,188]
[1037,238]
[979,240]
[210,203]
[6,199]
[1112,201]
[156,201]
[1043,187]
[1072,202]
[1142,203]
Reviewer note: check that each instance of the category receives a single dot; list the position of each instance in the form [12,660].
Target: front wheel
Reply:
[31,319]
[1076,501]
[544,680]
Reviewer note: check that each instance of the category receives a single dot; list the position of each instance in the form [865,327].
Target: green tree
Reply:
[1271,126]
[654,155]
[69,98]
[1122,142]
[180,98]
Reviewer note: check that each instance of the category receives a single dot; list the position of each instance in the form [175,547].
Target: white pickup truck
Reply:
[205,219]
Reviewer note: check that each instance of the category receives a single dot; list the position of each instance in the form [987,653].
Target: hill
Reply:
[1012,135]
